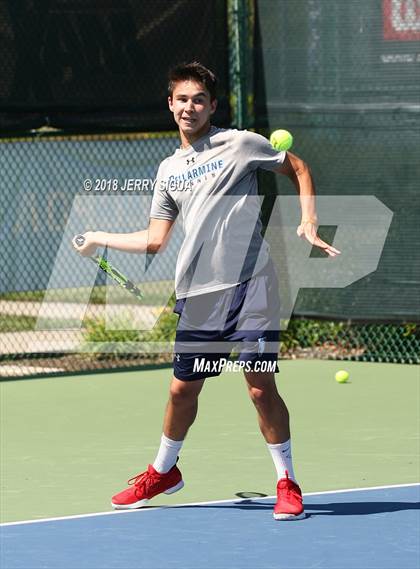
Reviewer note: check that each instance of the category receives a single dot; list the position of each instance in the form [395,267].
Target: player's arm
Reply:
[151,240]
[299,173]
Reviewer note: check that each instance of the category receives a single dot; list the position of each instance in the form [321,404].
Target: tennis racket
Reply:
[111,271]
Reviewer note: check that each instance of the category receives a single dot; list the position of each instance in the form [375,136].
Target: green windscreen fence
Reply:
[343,77]
[101,66]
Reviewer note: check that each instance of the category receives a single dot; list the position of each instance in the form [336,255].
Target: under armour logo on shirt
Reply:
[177,357]
[191,161]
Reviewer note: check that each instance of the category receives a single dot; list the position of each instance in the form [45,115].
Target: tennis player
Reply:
[226,285]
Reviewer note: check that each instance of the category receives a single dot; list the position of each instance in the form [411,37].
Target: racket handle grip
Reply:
[79,240]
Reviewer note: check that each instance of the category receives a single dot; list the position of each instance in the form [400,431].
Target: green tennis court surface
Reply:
[70,443]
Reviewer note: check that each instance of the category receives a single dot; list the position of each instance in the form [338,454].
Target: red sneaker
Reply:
[146,486]
[289,500]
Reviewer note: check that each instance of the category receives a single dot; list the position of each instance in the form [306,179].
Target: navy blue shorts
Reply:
[210,325]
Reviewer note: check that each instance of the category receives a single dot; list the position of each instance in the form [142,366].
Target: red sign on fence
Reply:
[401,20]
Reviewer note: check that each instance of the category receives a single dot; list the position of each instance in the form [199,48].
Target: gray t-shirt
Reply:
[212,185]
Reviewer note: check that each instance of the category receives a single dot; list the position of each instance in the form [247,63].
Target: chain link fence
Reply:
[51,301]
[54,304]
[352,106]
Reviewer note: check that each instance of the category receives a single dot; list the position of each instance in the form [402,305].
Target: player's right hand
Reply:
[89,246]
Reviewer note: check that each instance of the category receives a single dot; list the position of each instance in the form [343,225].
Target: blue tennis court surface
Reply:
[374,528]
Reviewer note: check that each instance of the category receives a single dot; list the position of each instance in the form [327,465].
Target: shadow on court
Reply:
[327,509]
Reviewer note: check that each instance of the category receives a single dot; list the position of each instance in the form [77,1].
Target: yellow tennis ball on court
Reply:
[342,376]
[281,140]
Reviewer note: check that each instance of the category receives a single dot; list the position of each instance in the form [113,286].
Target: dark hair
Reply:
[193,71]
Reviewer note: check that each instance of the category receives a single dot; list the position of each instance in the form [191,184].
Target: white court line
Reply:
[237,501]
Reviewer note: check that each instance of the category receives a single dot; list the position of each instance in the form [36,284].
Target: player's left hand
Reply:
[308,231]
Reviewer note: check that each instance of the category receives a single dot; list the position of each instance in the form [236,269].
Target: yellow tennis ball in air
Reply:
[342,376]
[281,140]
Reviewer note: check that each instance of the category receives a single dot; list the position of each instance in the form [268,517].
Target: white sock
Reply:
[282,458]
[167,454]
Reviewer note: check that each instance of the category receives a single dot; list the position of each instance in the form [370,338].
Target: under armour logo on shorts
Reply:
[261,346]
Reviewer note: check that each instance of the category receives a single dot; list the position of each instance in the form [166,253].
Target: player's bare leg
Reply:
[182,407]
[163,476]
[273,416]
